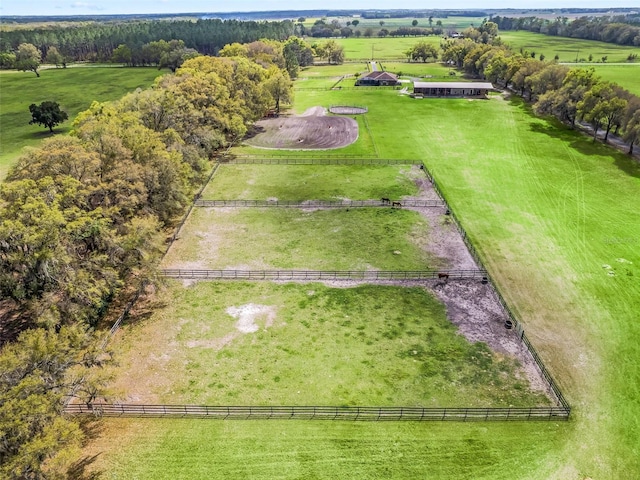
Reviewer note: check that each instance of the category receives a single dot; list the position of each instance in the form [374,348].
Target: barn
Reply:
[452,89]
[378,79]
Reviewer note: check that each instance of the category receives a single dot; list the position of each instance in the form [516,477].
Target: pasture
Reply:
[285,239]
[69,87]
[241,343]
[382,48]
[555,218]
[312,182]
[569,50]
[624,75]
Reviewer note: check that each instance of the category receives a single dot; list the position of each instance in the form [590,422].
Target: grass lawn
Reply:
[239,343]
[186,449]
[556,219]
[382,47]
[312,182]
[73,88]
[274,238]
[624,75]
[568,49]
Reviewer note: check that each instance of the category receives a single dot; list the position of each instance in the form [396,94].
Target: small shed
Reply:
[452,89]
[378,79]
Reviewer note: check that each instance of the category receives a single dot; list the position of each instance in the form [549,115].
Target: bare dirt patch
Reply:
[248,314]
[444,240]
[313,130]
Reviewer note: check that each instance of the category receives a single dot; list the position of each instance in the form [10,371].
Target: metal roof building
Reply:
[452,89]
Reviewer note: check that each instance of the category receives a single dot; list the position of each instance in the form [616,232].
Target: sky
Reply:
[110,7]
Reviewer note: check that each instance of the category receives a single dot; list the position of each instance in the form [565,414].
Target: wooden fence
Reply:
[317,159]
[317,203]
[368,275]
[321,412]
[553,386]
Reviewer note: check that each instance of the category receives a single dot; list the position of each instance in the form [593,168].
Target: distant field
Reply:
[311,182]
[456,23]
[73,88]
[568,49]
[382,48]
[628,76]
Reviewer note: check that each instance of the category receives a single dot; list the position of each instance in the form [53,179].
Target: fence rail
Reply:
[317,160]
[321,412]
[325,275]
[316,203]
[553,386]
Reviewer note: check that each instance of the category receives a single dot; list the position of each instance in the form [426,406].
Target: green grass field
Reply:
[73,88]
[239,343]
[312,182]
[274,238]
[380,48]
[555,217]
[568,49]
[624,75]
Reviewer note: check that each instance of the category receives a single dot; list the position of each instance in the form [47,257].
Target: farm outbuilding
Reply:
[452,89]
[378,79]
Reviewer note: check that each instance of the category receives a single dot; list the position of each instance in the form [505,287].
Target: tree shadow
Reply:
[253,131]
[92,429]
[78,470]
[13,321]
[554,128]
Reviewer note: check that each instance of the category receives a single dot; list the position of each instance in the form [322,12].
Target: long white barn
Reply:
[452,89]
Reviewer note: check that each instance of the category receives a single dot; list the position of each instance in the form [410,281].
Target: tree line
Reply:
[96,42]
[83,220]
[569,94]
[620,29]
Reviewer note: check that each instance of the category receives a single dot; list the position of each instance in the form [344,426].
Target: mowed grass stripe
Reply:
[258,449]
[241,343]
[336,239]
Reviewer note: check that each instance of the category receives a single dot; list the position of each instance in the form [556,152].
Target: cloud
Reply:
[86,5]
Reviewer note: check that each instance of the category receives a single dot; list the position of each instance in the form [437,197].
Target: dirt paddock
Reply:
[313,130]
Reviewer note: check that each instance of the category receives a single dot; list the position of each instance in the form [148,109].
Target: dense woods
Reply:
[621,29]
[97,41]
[84,218]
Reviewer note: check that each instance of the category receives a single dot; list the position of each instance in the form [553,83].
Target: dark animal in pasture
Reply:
[443,276]
[385,200]
[396,204]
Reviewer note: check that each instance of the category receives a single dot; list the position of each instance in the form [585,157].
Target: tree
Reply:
[355,22]
[381,22]
[47,114]
[602,106]
[7,60]
[36,441]
[632,125]
[563,103]
[332,51]
[122,54]
[414,23]
[176,57]
[280,87]
[28,58]
[54,57]
[422,51]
